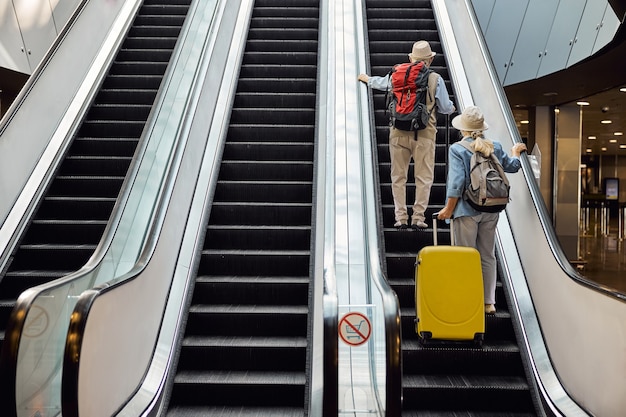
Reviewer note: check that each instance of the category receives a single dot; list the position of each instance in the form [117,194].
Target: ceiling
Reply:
[597,81]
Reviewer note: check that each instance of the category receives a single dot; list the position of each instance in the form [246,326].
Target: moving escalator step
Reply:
[244,350]
[437,380]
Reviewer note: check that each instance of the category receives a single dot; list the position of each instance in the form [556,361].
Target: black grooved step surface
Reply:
[244,350]
[75,209]
[438,379]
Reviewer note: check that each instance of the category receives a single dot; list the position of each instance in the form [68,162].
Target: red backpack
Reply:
[407,102]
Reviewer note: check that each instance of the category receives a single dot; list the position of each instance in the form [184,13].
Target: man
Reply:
[404,145]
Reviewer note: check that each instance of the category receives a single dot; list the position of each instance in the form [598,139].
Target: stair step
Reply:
[245,346]
[231,388]
[240,411]
[272,290]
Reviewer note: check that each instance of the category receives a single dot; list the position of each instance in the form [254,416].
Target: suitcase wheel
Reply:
[478,339]
[425,337]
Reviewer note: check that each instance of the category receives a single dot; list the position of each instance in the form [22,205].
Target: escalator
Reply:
[438,379]
[74,211]
[244,350]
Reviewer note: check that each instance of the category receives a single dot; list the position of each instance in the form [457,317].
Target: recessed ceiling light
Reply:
[588,150]
[606,122]
[622,146]
[623,89]
[524,122]
[618,133]
[613,141]
[603,149]
[591,138]
[582,103]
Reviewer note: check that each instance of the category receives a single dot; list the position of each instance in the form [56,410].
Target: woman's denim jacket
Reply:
[459,168]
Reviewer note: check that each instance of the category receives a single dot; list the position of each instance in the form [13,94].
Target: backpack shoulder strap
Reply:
[389,88]
[498,165]
[424,75]
[492,157]
[466,145]
[431,86]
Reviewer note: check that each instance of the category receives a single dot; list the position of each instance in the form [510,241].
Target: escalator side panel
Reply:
[75,209]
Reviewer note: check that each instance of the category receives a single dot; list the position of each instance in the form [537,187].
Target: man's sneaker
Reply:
[420,224]
[401,225]
[490,309]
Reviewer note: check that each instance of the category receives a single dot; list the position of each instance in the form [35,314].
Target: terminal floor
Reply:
[604,258]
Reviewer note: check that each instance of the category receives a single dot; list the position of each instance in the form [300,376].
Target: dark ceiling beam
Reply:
[619,7]
[11,82]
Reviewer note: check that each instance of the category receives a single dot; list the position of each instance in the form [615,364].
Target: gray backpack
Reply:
[488,189]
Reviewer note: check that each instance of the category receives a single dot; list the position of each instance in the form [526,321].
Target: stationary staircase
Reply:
[244,351]
[447,379]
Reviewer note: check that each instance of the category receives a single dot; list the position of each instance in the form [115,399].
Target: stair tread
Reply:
[38,272]
[245,341]
[234,411]
[465,382]
[56,246]
[248,309]
[488,346]
[257,227]
[257,252]
[262,203]
[240,377]
[252,279]
[69,222]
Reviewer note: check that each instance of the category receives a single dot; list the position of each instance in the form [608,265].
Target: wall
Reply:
[28,28]
[567,175]
[543,133]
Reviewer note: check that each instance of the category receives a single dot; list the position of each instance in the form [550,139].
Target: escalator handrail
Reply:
[325,383]
[373,217]
[88,273]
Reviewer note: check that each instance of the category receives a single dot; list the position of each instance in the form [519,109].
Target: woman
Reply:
[471,227]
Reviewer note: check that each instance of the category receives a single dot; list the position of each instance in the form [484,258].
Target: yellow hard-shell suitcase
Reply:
[449,297]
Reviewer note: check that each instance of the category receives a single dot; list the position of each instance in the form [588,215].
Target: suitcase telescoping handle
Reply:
[435,230]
